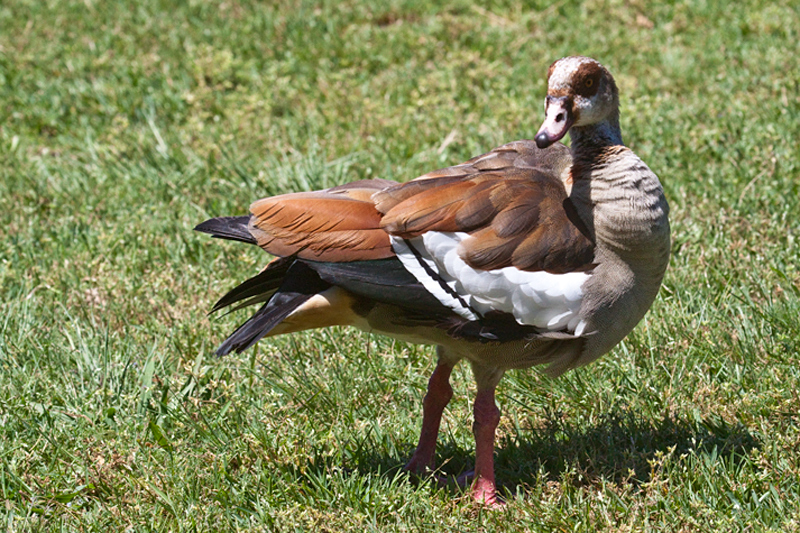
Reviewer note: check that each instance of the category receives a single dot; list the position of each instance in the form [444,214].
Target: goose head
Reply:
[581,95]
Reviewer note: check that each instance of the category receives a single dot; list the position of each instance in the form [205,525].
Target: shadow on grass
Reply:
[620,448]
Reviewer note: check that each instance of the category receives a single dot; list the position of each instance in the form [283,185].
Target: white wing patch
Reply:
[418,261]
[547,301]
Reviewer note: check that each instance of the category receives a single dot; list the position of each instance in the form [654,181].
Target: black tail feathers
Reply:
[260,324]
[293,284]
[232,228]
[257,289]
[284,285]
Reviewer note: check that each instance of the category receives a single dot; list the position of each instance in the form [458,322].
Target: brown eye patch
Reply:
[588,79]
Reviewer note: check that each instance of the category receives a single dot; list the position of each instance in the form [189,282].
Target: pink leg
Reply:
[487,416]
[437,398]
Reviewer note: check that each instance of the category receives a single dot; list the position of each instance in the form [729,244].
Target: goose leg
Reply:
[436,399]
[486,418]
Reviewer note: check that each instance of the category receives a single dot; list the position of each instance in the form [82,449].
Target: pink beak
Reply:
[557,121]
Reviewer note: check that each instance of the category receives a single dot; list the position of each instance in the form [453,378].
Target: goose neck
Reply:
[595,137]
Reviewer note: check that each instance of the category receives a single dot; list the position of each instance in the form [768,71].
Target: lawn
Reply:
[124,124]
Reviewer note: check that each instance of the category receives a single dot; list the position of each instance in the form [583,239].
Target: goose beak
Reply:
[557,121]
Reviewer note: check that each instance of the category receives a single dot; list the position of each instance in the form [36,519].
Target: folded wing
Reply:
[338,224]
[495,235]
[512,202]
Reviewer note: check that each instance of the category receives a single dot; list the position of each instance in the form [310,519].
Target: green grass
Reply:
[122,125]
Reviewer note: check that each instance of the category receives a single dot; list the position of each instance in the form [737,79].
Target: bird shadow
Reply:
[621,447]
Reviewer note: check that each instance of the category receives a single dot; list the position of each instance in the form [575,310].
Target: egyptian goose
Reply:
[530,254]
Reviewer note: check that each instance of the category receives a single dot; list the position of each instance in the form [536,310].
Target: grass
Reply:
[123,124]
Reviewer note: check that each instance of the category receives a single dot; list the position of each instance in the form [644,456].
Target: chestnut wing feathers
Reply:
[338,224]
[511,201]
